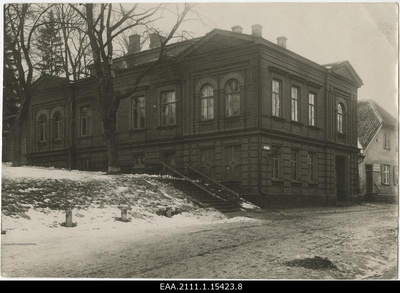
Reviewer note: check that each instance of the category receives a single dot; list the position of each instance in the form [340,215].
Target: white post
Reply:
[68,219]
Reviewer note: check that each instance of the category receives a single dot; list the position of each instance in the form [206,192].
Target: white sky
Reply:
[365,34]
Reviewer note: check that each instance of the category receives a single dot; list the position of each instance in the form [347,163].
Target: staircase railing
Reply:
[179,174]
[223,191]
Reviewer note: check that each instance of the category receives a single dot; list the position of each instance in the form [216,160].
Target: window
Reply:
[311,109]
[207,102]
[168,108]
[340,118]
[311,167]
[276,97]
[57,125]
[232,101]
[275,162]
[295,100]
[387,140]
[42,128]
[138,112]
[385,174]
[294,165]
[86,121]
[138,161]
[395,175]
[207,156]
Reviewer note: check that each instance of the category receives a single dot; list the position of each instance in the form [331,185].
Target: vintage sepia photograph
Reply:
[200,141]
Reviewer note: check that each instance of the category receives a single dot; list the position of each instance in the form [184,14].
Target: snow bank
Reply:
[31,172]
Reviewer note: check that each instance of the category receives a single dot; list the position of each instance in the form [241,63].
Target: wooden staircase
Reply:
[207,192]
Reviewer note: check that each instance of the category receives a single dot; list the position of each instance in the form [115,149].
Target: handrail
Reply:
[191,181]
[214,182]
[376,186]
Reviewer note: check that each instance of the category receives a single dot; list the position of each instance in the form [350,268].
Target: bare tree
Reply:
[104,24]
[20,23]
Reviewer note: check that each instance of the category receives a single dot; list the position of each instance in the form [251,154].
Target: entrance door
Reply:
[232,164]
[341,188]
[368,178]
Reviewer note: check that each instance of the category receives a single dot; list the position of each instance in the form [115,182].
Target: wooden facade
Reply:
[223,105]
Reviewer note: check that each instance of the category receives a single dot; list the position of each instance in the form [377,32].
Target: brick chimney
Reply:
[134,44]
[256,30]
[282,42]
[155,40]
[237,29]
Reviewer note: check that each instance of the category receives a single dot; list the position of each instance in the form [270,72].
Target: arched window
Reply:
[42,123]
[57,125]
[340,113]
[207,102]
[232,101]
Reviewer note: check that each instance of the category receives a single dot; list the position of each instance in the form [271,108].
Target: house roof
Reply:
[344,69]
[219,39]
[370,118]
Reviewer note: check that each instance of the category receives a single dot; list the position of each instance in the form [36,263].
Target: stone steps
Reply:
[203,197]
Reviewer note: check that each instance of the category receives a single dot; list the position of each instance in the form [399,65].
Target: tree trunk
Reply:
[109,111]
[17,129]
[111,143]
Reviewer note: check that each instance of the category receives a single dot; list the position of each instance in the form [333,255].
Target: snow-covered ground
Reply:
[35,200]
[194,243]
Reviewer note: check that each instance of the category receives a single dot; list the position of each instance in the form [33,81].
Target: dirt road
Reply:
[360,241]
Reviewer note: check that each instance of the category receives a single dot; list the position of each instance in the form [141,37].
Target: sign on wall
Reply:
[377,168]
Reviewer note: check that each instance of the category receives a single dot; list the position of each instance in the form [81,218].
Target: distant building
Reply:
[251,114]
[377,132]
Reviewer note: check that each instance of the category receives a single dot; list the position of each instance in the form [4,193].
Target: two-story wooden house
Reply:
[378,135]
[249,113]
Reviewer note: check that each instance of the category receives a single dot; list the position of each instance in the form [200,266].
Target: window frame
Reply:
[231,96]
[340,112]
[311,164]
[294,165]
[385,174]
[170,105]
[57,125]
[312,106]
[88,121]
[295,101]
[275,163]
[276,97]
[207,100]
[42,128]
[139,113]
[386,140]
[395,175]
[142,163]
